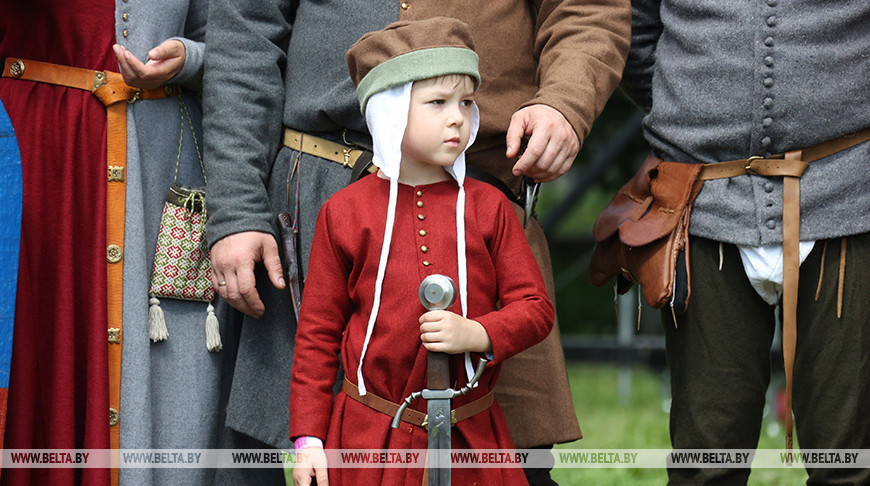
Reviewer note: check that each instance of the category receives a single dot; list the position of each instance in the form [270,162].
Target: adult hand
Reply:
[310,463]
[233,258]
[552,144]
[448,332]
[164,62]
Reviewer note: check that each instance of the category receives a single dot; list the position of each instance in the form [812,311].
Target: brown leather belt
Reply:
[412,416]
[790,166]
[346,155]
[110,89]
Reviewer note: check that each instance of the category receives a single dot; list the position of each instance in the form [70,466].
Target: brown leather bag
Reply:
[642,235]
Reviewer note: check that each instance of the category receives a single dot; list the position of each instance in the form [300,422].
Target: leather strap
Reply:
[110,89]
[108,86]
[412,416]
[325,149]
[790,166]
[782,164]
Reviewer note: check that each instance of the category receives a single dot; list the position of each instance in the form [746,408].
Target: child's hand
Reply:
[451,333]
[310,463]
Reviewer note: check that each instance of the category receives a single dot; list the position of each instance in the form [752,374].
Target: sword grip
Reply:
[438,371]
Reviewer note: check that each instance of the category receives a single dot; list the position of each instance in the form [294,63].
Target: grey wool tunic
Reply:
[775,75]
[170,391]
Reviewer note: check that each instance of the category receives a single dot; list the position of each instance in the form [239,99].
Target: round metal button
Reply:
[17,68]
[426,264]
[424,248]
[421,217]
[126,17]
[419,193]
[125,33]
[114,253]
[114,416]
[422,232]
[419,204]
[406,6]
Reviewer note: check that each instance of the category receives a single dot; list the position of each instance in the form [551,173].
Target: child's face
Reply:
[439,121]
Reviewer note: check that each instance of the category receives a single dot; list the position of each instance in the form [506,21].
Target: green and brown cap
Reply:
[408,51]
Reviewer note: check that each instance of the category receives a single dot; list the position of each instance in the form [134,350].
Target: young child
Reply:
[377,239]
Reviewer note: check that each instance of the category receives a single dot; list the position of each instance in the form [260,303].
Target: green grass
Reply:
[636,419]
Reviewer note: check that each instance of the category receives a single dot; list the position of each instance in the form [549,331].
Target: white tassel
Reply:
[212,331]
[156,322]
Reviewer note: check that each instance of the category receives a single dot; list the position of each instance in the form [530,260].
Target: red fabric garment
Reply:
[338,300]
[58,392]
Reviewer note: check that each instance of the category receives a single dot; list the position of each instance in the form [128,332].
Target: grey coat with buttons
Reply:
[728,80]
[171,390]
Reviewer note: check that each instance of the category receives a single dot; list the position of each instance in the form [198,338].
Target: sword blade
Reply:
[438,370]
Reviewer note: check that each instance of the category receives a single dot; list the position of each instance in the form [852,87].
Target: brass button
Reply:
[17,68]
[421,217]
[422,232]
[125,33]
[419,204]
[419,193]
[116,173]
[424,248]
[426,264]
[114,417]
[171,89]
[114,335]
[126,17]
[406,5]
[114,253]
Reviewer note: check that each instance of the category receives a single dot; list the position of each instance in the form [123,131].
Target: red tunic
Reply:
[58,391]
[338,300]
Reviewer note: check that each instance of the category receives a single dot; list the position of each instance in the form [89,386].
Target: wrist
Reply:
[307,441]
[482,342]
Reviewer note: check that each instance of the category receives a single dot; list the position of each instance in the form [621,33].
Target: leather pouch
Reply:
[642,235]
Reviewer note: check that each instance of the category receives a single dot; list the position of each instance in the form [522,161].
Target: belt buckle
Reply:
[749,161]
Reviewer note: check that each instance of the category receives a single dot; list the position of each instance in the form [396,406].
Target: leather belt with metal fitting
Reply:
[412,416]
[109,88]
[790,166]
[345,155]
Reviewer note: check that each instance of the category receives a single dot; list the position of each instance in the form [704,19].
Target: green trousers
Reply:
[719,359]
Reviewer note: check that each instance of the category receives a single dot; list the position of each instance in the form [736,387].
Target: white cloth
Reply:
[763,267]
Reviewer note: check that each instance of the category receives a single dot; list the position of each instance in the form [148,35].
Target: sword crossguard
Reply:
[448,394]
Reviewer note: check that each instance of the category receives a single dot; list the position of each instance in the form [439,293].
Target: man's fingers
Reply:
[531,156]
[247,293]
[272,262]
[515,133]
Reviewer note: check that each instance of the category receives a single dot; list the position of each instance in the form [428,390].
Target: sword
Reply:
[531,192]
[438,292]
